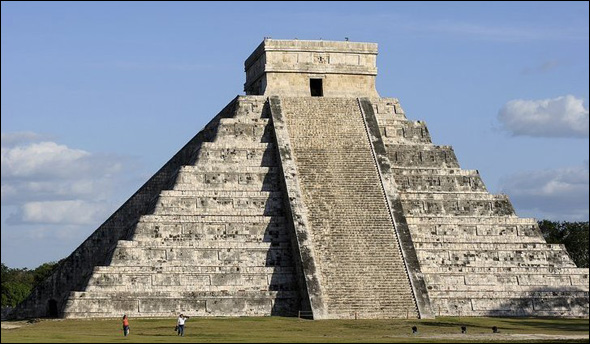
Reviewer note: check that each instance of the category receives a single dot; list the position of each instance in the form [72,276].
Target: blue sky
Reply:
[97,96]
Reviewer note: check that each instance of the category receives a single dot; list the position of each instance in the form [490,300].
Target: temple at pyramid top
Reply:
[312,68]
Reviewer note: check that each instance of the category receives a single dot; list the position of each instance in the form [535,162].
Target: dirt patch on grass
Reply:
[11,325]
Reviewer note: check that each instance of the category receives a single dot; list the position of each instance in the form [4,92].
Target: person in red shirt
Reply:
[125,325]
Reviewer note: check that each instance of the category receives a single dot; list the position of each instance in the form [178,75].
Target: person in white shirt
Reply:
[180,324]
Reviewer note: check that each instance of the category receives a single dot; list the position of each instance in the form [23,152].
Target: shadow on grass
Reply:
[513,324]
[549,323]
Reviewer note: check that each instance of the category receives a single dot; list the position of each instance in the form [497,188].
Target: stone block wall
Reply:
[281,67]
[216,242]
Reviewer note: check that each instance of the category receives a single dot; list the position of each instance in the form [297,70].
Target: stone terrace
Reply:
[216,242]
[478,258]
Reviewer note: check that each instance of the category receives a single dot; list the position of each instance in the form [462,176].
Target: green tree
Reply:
[18,283]
[14,292]
[573,235]
[42,272]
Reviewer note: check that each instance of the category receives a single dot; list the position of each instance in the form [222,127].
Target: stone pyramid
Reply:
[312,195]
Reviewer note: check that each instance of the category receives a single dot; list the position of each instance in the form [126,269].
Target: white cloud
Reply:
[51,183]
[557,194]
[563,116]
[44,171]
[43,158]
[76,212]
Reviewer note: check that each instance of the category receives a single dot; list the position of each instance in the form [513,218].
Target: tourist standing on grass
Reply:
[180,324]
[125,325]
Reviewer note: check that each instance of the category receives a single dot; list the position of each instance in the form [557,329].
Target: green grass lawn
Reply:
[277,329]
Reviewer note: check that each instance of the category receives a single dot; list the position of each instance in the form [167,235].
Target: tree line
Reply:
[17,284]
[574,235]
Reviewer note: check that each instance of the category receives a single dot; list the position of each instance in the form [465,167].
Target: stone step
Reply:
[203,219]
[252,154]
[244,120]
[204,244]
[170,304]
[429,259]
[470,221]
[219,193]
[231,147]
[516,270]
[164,239]
[250,183]
[368,293]
[222,168]
[422,156]
[193,294]
[137,256]
[217,211]
[346,306]
[485,246]
[405,141]
[481,232]
[191,284]
[195,241]
[272,230]
[543,293]
[450,191]
[508,220]
[387,108]
[452,196]
[354,301]
[228,178]
[433,172]
[401,140]
[403,131]
[105,282]
[502,281]
[499,254]
[178,202]
[237,130]
[250,107]
[439,184]
[466,239]
[470,204]
[195,269]
[371,311]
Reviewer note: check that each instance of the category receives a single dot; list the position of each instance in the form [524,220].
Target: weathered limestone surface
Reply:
[361,268]
[74,272]
[212,241]
[335,204]
[477,257]
[285,67]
